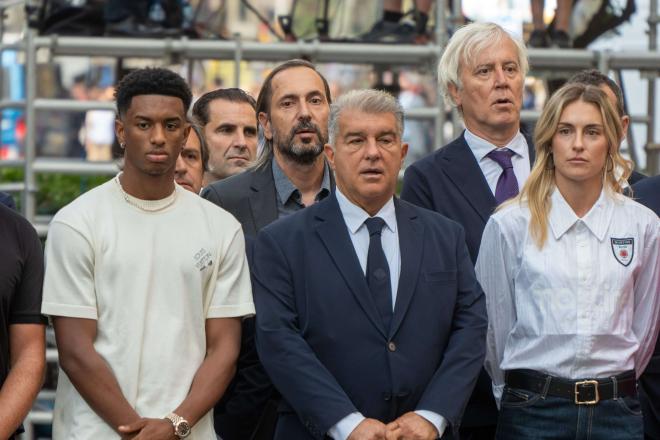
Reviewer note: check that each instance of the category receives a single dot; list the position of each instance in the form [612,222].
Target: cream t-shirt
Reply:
[150,280]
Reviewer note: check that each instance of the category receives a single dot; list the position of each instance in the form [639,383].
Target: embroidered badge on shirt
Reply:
[203,259]
[623,249]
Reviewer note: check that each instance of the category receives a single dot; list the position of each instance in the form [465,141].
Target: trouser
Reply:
[529,415]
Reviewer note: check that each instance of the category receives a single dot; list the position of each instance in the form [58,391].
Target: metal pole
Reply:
[2,36]
[238,57]
[652,148]
[457,13]
[29,193]
[440,43]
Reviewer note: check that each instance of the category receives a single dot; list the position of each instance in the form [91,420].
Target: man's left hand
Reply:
[150,429]
[415,427]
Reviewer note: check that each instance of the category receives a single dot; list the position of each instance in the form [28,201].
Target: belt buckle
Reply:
[594,383]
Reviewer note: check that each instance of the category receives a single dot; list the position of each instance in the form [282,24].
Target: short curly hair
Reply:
[151,81]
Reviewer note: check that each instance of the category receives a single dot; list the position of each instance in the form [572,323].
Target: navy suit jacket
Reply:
[647,192]
[449,181]
[7,200]
[320,337]
[249,196]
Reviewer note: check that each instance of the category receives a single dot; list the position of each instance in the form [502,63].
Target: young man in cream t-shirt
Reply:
[146,284]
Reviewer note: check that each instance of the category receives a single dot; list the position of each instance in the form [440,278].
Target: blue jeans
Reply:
[530,416]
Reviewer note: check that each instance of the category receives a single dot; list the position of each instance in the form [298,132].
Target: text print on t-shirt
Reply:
[203,259]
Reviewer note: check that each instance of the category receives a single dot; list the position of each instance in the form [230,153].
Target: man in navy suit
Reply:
[370,322]
[647,192]
[482,72]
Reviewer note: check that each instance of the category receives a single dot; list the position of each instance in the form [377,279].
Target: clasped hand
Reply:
[148,429]
[409,426]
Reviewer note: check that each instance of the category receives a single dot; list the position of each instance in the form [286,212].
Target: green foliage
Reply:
[54,190]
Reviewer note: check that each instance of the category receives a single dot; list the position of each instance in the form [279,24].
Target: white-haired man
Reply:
[482,72]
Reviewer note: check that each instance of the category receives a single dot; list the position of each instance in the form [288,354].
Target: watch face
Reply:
[182,429]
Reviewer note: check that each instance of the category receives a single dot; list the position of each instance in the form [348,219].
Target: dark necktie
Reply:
[378,271]
[507,184]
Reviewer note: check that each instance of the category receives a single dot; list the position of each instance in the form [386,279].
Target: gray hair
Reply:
[464,46]
[368,101]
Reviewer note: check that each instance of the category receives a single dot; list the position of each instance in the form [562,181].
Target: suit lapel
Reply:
[463,170]
[263,198]
[411,243]
[333,232]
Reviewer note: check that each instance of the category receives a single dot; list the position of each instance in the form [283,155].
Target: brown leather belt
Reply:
[582,392]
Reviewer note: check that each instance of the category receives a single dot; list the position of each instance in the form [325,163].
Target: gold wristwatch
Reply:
[181,425]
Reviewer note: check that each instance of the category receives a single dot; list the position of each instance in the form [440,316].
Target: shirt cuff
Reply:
[345,426]
[436,420]
[497,394]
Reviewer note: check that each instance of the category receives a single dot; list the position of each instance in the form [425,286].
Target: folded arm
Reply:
[89,372]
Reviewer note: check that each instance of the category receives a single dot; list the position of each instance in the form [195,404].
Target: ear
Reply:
[186,133]
[265,123]
[625,123]
[404,152]
[119,130]
[329,155]
[455,94]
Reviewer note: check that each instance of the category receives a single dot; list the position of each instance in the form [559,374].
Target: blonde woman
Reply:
[571,272]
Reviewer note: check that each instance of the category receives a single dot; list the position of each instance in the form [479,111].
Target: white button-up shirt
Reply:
[586,305]
[354,216]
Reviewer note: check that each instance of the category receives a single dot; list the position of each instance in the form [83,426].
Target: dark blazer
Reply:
[323,343]
[449,181]
[248,408]
[7,200]
[647,192]
[249,196]
[636,177]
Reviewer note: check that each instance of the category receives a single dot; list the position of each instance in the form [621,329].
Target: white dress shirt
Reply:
[354,216]
[583,306]
[491,169]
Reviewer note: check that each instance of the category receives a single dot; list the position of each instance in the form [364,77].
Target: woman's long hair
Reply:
[541,182]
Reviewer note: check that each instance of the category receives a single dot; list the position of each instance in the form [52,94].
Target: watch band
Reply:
[181,425]
[174,418]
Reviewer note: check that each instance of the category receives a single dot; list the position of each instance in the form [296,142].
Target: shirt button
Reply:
[391,346]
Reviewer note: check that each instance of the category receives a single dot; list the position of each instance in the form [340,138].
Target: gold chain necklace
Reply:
[146,205]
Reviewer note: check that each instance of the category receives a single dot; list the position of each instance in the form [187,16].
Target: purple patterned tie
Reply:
[507,184]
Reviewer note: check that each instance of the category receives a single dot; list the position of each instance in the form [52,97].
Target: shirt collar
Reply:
[597,220]
[354,216]
[481,147]
[285,188]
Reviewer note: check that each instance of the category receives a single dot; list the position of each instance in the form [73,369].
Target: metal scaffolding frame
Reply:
[541,61]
